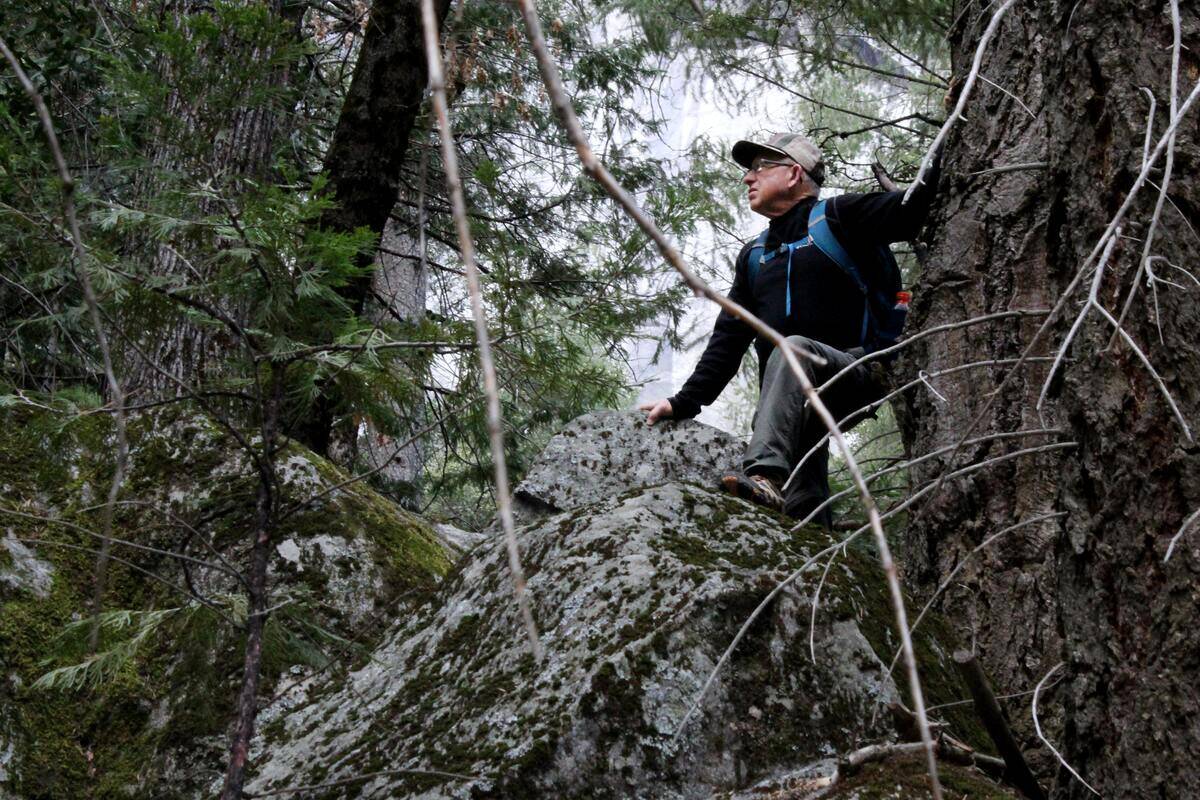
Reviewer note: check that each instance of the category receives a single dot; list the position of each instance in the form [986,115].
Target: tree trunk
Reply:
[179,353]
[398,293]
[1089,588]
[370,144]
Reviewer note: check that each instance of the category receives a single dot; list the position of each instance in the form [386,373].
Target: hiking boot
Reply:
[757,489]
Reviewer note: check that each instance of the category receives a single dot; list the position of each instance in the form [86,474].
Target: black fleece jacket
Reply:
[825,303]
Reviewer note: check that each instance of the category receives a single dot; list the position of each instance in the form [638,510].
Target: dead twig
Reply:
[361,476]
[1187,523]
[963,95]
[920,460]
[1038,728]
[979,548]
[870,407]
[437,85]
[1168,166]
[1093,301]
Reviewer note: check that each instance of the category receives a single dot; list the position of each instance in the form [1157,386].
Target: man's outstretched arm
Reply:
[720,361]
[884,217]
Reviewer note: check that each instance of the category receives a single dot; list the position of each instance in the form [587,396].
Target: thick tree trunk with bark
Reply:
[398,292]
[179,353]
[369,148]
[1089,588]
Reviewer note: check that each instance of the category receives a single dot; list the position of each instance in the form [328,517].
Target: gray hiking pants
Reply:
[785,428]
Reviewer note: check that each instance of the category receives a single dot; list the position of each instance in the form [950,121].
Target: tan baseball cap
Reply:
[788,145]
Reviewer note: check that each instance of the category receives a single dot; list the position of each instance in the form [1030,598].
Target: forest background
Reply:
[246,215]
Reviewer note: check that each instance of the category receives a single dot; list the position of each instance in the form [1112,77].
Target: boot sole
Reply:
[740,485]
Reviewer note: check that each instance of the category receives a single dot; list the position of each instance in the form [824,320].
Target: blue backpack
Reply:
[883,316]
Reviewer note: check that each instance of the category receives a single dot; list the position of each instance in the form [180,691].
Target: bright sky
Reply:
[691,112]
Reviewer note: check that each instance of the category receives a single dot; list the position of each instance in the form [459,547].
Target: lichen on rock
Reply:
[604,453]
[636,599]
[639,582]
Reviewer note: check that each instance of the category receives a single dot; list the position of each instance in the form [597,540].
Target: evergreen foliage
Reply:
[197,136]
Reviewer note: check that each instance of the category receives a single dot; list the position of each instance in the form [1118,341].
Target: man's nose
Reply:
[749,177]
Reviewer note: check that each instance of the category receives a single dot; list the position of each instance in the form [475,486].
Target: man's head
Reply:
[780,172]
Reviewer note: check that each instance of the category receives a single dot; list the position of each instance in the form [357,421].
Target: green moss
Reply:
[865,599]
[466,633]
[100,743]
[905,778]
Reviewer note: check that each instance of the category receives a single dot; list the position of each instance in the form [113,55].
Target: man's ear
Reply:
[796,178]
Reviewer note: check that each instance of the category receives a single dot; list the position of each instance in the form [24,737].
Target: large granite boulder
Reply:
[637,590]
[428,688]
[599,455]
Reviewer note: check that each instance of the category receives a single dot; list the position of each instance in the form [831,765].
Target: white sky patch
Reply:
[693,111]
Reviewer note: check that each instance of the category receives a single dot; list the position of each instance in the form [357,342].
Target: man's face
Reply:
[770,183]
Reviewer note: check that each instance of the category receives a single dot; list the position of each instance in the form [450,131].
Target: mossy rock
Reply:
[635,598]
[345,564]
[897,777]
[906,778]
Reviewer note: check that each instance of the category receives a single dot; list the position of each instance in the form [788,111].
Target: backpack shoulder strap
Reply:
[755,257]
[823,238]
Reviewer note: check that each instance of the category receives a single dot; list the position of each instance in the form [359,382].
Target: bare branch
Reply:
[949,579]
[916,337]
[919,460]
[1182,529]
[963,95]
[870,407]
[1093,301]
[1167,168]
[1027,165]
[816,602]
[1038,727]
[115,540]
[148,573]
[1149,124]
[988,710]
[896,509]
[1010,94]
[1066,343]
[361,476]
[437,85]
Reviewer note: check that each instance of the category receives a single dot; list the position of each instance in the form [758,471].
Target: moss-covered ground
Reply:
[107,739]
[905,778]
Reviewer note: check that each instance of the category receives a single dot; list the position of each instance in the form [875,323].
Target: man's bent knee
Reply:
[805,345]
[802,342]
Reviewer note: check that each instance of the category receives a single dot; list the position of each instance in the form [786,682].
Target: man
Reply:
[804,294]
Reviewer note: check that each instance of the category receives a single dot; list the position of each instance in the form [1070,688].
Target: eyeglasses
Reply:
[759,164]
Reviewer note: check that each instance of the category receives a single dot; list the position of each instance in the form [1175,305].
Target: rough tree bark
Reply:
[244,139]
[370,144]
[1089,589]
[399,288]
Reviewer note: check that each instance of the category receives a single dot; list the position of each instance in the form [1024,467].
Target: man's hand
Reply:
[660,409]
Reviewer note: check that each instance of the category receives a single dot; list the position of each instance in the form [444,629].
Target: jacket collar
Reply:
[791,225]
